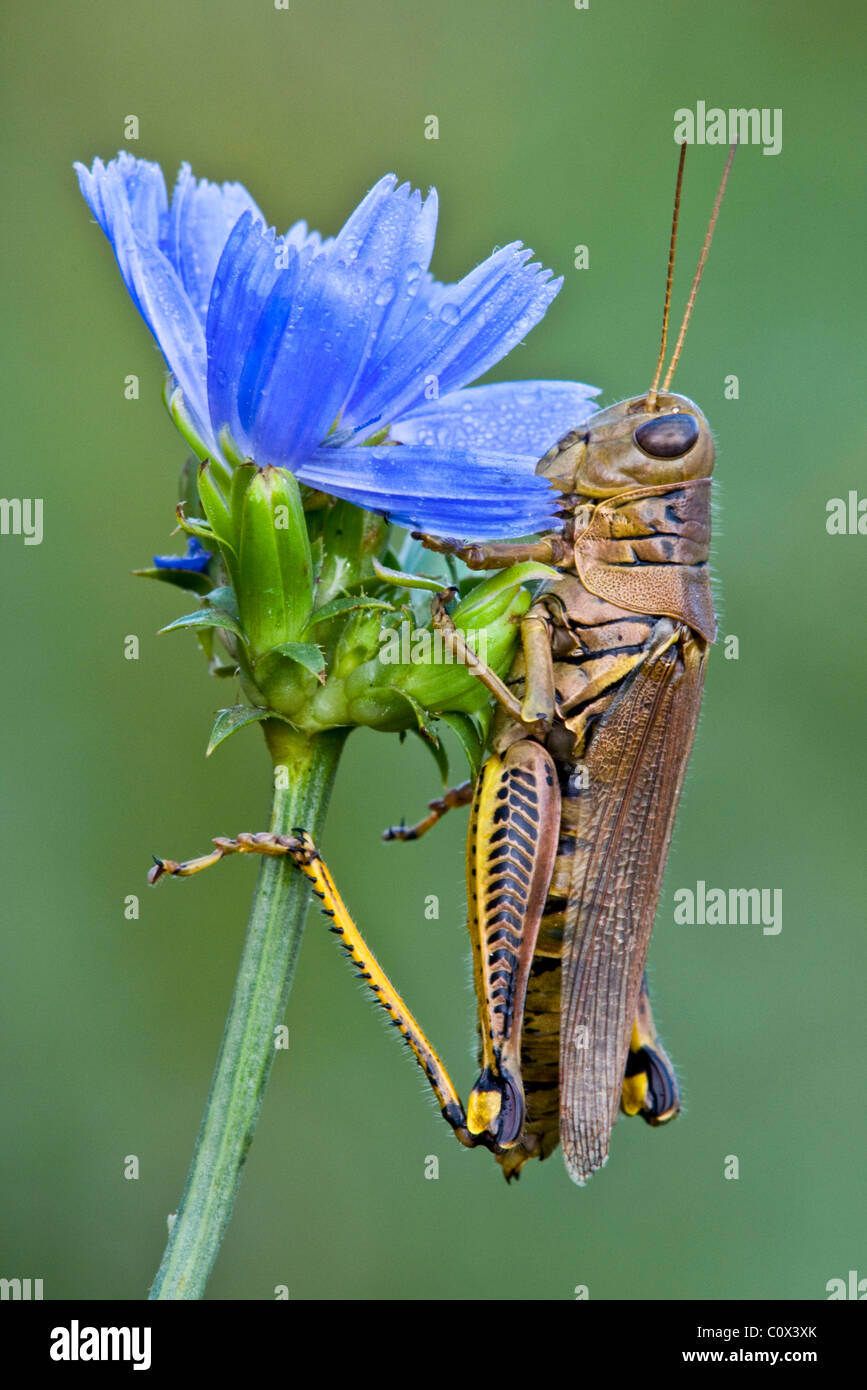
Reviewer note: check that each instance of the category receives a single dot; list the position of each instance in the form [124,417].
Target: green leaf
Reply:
[205,639]
[346,605]
[437,752]
[484,718]
[229,449]
[224,599]
[317,555]
[350,537]
[196,526]
[177,410]
[487,600]
[380,436]
[241,480]
[228,721]
[191,580]
[468,737]
[428,735]
[306,654]
[206,617]
[215,507]
[408,581]
[188,485]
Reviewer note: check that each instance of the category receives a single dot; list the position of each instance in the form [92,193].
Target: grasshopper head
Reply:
[630,445]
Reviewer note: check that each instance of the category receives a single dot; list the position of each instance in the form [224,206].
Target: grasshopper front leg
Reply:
[535,712]
[301,850]
[552,549]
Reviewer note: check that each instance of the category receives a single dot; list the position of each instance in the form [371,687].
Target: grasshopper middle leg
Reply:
[454,797]
[536,712]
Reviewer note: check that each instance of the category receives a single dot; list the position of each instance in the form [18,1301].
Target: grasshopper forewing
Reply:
[573,811]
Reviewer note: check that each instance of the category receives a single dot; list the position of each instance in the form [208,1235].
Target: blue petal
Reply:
[315,359]
[465,329]
[201,217]
[286,331]
[245,276]
[392,234]
[357,228]
[525,416]
[299,237]
[134,192]
[128,199]
[197,558]
[446,492]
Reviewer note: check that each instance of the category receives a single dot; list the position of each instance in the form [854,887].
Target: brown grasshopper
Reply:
[573,811]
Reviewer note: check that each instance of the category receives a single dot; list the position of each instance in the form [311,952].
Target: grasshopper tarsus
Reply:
[158,870]
[400,832]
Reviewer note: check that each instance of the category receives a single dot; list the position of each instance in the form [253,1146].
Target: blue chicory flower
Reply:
[293,350]
[196,558]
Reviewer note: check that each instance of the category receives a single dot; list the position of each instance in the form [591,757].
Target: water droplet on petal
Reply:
[386,292]
[450,313]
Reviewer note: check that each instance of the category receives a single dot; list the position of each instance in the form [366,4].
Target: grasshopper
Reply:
[572,813]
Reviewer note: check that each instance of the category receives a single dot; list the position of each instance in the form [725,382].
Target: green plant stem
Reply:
[258,1006]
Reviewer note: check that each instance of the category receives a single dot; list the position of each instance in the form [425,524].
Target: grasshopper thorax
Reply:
[629,445]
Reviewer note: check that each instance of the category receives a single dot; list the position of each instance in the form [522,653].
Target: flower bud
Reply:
[275,570]
[350,538]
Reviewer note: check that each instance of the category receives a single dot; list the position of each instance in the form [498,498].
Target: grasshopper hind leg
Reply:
[650,1086]
[649,1089]
[511,849]
[300,848]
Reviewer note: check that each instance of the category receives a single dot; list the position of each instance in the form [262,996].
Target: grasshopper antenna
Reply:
[708,238]
[651,395]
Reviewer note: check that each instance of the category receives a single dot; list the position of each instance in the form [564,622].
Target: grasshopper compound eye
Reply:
[667,436]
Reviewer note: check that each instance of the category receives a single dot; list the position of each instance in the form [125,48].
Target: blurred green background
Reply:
[555,127]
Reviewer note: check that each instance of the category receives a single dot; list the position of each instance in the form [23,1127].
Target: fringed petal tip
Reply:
[527,417]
